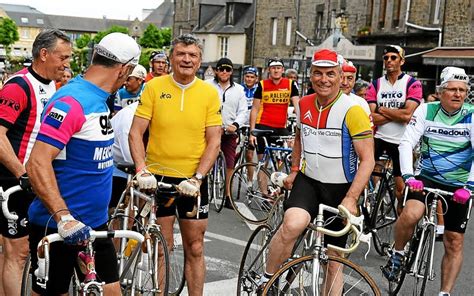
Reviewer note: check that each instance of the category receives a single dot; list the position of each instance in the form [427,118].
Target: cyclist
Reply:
[183,116]
[445,129]
[234,115]
[67,75]
[23,97]
[328,174]
[349,73]
[360,88]
[159,64]
[392,99]
[250,86]
[132,89]
[71,166]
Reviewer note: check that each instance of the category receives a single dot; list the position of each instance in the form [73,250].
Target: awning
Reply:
[450,56]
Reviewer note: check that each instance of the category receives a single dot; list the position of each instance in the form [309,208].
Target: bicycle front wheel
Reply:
[152,277]
[176,256]
[252,265]
[423,267]
[26,279]
[249,193]
[218,184]
[296,278]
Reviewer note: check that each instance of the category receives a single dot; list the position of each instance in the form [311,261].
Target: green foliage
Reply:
[112,29]
[155,38]
[83,41]
[8,33]
[79,60]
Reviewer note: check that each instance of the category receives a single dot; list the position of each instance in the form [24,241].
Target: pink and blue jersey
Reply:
[76,121]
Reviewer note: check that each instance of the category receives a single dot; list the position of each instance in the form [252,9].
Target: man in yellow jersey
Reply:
[182,113]
[333,133]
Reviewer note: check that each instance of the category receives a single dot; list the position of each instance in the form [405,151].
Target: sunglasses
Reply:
[224,69]
[393,58]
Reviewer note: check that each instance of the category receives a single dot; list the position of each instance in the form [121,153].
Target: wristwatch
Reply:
[198,176]
[67,218]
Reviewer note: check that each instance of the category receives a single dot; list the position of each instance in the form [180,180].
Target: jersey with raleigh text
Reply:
[393,96]
[76,121]
[447,143]
[327,136]
[275,99]
[22,100]
[179,115]
[123,98]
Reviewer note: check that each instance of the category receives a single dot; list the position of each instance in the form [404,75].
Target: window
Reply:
[40,21]
[274,30]
[230,14]
[382,10]
[396,13]
[224,46]
[25,33]
[437,12]
[288,31]
[24,20]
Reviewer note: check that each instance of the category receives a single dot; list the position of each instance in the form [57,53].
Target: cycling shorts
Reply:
[119,184]
[271,139]
[454,213]
[63,261]
[18,204]
[184,204]
[308,193]
[383,147]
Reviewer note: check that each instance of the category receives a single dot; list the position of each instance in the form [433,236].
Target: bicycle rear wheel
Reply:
[218,187]
[295,278]
[176,256]
[152,277]
[252,265]
[383,217]
[249,194]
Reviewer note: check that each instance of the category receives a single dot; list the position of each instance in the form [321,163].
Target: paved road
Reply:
[227,235]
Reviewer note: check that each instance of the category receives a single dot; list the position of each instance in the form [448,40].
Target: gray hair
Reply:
[360,84]
[186,39]
[48,39]
[291,71]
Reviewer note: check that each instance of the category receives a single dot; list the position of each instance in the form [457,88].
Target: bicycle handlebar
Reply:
[354,224]
[4,197]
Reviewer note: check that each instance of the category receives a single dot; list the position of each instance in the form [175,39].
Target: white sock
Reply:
[402,252]
[443,293]
[439,229]
[265,278]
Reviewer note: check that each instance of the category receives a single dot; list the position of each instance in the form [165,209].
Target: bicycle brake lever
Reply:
[366,238]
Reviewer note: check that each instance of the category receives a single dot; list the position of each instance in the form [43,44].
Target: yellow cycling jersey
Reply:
[178,118]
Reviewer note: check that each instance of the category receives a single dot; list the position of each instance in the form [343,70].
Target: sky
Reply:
[113,9]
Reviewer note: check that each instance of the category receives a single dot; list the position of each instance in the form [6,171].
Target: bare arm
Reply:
[213,144]
[365,150]
[377,118]
[40,170]
[8,157]
[402,115]
[135,140]
[295,160]
[253,119]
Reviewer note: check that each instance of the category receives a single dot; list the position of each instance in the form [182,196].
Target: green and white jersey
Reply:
[446,144]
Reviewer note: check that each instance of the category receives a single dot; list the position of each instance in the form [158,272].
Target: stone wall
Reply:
[458,25]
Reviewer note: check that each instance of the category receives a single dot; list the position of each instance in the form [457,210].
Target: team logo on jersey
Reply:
[41,90]
[10,103]
[308,116]
[453,132]
[57,114]
[165,96]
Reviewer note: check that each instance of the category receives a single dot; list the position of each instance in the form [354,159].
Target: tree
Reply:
[83,41]
[8,34]
[155,38]
[112,29]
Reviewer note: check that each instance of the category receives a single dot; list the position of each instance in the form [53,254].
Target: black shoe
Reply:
[228,204]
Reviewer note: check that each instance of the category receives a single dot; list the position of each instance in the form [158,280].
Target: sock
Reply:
[265,278]
[402,252]
[439,229]
[444,294]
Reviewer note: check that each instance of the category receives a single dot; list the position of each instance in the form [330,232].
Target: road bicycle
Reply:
[418,261]
[308,275]
[216,183]
[250,182]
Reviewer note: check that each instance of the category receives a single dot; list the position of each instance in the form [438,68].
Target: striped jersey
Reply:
[22,100]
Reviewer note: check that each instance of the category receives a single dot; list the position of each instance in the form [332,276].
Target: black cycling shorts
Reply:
[383,147]
[184,204]
[18,204]
[308,193]
[63,260]
[271,139]
[455,217]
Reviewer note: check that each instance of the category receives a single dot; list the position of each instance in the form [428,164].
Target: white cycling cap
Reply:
[139,72]
[453,74]
[119,47]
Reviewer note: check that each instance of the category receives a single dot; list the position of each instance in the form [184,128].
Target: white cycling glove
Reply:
[189,187]
[75,234]
[146,180]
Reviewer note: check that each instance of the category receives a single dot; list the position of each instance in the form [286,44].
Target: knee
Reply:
[290,230]
[409,217]
[453,243]
[195,249]
[16,249]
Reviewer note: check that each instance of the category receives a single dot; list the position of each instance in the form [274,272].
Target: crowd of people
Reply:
[61,140]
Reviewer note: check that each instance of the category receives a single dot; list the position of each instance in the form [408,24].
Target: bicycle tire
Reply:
[150,281]
[424,261]
[355,279]
[177,259]
[26,278]
[253,260]
[219,183]
[383,218]
[246,197]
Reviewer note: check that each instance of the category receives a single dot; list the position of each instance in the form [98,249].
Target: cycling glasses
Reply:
[224,69]
[393,58]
